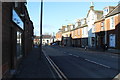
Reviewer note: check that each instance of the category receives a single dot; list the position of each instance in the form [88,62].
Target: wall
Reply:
[59,36]
[114,31]
[6,37]
[9,38]
[90,21]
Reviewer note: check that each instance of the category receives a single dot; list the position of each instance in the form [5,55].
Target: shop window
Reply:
[19,45]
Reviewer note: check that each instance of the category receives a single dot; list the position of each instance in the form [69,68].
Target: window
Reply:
[65,29]
[19,45]
[86,30]
[82,22]
[102,26]
[82,31]
[76,25]
[112,23]
[106,11]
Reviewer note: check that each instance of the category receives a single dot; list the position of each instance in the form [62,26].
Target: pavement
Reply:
[79,64]
[35,66]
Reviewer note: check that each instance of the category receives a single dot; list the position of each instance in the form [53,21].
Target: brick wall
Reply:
[6,36]
[9,37]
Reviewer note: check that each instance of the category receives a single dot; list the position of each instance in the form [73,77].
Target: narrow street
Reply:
[75,63]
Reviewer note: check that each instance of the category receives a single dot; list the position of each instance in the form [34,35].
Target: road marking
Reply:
[97,63]
[76,56]
[55,67]
[70,54]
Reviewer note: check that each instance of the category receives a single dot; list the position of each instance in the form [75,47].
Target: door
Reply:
[112,40]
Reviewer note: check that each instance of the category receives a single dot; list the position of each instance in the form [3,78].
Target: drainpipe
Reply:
[105,33]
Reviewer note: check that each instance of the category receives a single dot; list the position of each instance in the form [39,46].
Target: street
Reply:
[77,63]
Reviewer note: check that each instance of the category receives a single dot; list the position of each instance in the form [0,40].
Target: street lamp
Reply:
[41,16]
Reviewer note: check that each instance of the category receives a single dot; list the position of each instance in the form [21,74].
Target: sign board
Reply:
[17,19]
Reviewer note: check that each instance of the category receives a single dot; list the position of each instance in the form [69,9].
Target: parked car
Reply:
[54,44]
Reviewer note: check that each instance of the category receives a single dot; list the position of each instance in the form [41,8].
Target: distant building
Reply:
[59,37]
[97,30]
[66,35]
[37,40]
[46,40]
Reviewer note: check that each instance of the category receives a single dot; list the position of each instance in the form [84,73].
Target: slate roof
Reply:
[114,11]
[46,36]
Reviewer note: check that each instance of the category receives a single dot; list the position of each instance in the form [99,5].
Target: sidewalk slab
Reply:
[35,65]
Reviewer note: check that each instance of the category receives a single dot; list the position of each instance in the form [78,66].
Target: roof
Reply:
[116,10]
[46,36]
[37,37]
[110,7]
[96,11]
[102,19]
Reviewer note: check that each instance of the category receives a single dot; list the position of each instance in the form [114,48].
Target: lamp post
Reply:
[41,16]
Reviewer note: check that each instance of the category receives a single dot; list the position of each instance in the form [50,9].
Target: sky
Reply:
[56,14]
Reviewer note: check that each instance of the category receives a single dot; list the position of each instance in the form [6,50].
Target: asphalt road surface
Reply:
[77,63]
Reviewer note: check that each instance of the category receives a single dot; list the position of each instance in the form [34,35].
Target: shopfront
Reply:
[19,34]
